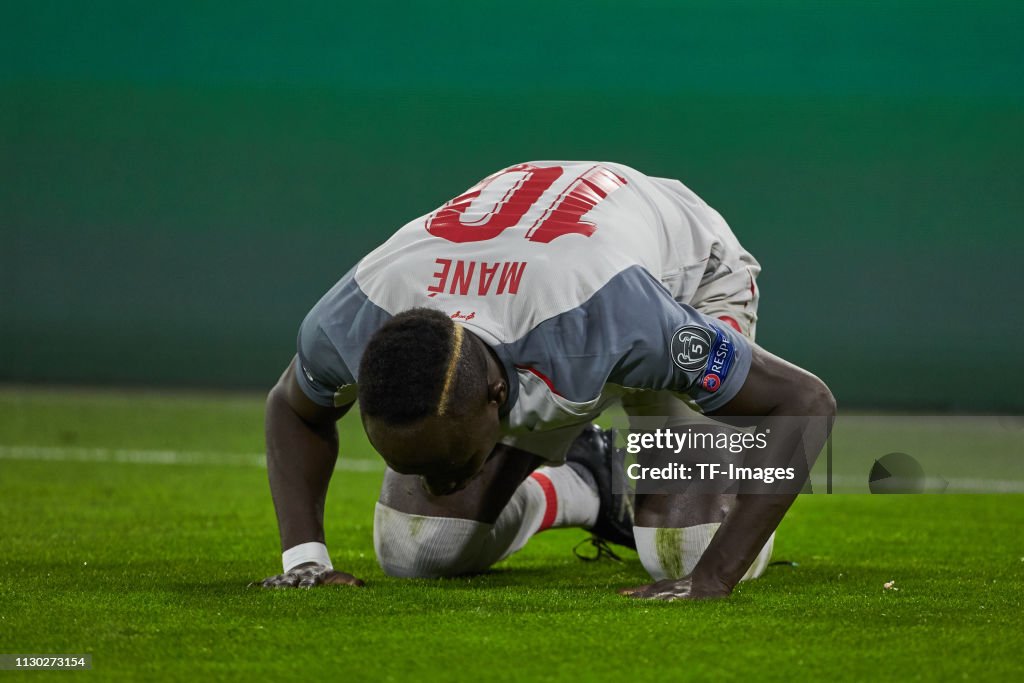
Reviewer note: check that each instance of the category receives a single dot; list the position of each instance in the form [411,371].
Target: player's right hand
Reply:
[310,575]
[678,589]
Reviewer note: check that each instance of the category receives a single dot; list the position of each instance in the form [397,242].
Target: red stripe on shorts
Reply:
[550,500]
[729,321]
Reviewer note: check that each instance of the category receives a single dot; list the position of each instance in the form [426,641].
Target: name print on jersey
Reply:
[458,280]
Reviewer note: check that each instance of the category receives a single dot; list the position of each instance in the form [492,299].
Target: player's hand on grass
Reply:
[309,575]
[678,589]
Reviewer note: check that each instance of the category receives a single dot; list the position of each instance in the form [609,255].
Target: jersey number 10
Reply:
[563,216]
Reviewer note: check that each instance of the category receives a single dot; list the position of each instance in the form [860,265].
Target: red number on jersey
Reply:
[562,217]
[447,221]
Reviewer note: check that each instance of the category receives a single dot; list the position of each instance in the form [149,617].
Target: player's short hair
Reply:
[419,364]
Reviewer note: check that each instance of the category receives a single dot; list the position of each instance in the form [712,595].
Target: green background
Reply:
[180,182]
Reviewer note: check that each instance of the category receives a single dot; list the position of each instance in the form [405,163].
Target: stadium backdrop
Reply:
[180,181]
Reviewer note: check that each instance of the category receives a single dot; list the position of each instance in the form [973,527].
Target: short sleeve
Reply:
[320,370]
[676,348]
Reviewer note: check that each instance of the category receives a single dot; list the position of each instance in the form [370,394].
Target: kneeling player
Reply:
[483,338]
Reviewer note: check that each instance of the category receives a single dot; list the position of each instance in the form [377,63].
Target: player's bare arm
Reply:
[302,447]
[774,389]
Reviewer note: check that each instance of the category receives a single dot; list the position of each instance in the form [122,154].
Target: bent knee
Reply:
[414,546]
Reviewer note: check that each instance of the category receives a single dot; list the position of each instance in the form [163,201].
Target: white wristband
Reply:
[306,552]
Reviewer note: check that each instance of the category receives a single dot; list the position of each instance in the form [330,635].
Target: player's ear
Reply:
[497,391]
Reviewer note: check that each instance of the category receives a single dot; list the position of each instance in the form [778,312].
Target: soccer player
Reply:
[482,339]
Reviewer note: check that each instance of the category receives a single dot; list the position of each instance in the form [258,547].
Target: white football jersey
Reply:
[550,233]
[580,275]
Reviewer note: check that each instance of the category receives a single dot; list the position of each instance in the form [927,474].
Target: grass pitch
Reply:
[131,524]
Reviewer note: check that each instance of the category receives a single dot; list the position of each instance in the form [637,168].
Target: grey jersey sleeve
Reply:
[633,334]
[320,370]
[676,348]
[331,341]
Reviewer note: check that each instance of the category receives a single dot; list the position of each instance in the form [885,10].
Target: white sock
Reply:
[573,498]
[418,546]
[673,553]
[550,498]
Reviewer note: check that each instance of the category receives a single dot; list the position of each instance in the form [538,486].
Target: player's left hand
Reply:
[676,589]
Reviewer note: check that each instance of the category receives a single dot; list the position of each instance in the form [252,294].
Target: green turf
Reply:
[145,566]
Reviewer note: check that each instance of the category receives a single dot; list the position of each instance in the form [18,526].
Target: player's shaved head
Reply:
[420,364]
[429,394]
